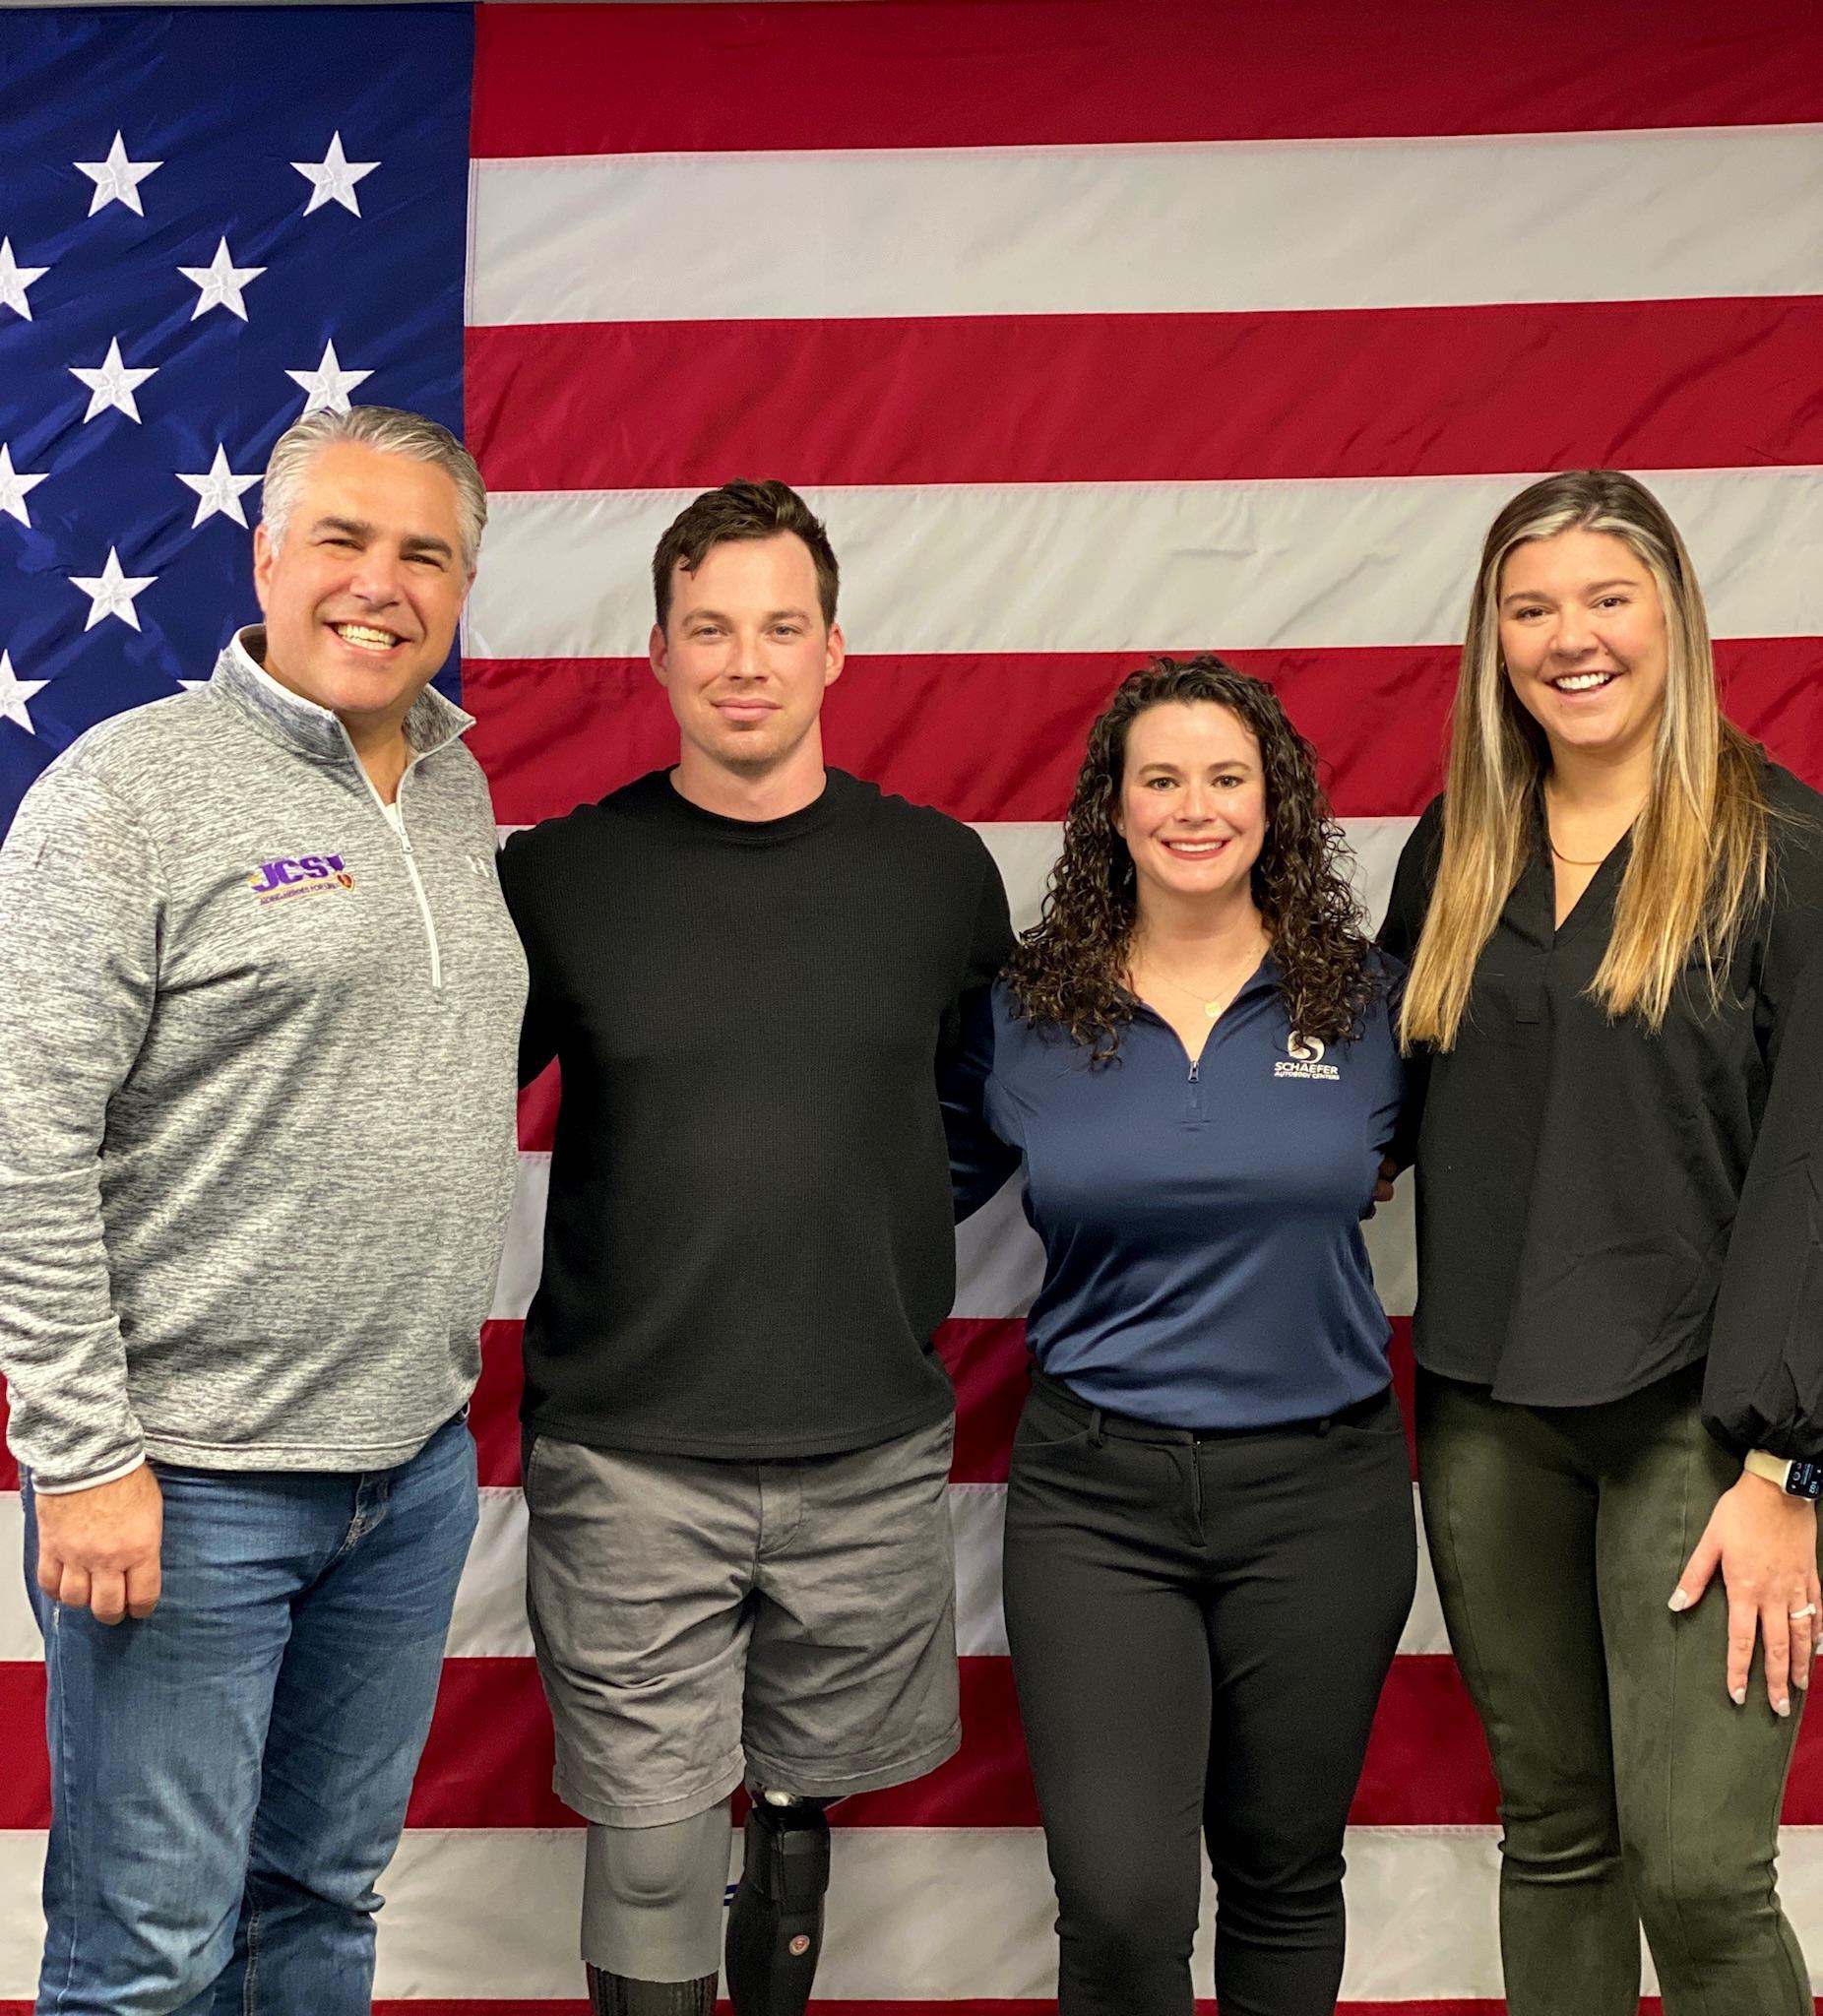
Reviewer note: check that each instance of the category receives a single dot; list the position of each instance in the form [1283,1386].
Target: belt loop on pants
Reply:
[1095,1437]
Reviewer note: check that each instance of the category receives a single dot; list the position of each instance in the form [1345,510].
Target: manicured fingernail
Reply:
[1739,1695]
[1782,1707]
[1679,1600]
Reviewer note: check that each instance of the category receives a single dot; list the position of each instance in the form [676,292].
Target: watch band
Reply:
[1796,1477]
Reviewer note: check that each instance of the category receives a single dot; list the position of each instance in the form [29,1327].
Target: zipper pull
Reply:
[1196,1067]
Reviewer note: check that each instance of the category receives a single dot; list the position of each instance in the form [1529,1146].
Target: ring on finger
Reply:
[1798,1616]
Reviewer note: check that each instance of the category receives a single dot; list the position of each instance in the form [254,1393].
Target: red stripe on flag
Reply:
[985,1359]
[989,1362]
[537,1110]
[953,73]
[986,1356]
[555,732]
[547,2007]
[1428,1763]
[1032,399]
[25,1786]
[493,1409]
[488,1760]
[1650,2005]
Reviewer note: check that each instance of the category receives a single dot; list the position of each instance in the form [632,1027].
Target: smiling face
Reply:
[1192,802]
[1583,636]
[363,595]
[745,656]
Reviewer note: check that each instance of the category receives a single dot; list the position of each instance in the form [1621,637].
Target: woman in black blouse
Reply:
[1613,919]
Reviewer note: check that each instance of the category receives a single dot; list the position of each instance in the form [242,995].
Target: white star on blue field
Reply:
[216,232]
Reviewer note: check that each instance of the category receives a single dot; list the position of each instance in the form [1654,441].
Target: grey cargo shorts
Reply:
[792,1621]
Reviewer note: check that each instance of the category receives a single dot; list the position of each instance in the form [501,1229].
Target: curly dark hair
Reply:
[1069,969]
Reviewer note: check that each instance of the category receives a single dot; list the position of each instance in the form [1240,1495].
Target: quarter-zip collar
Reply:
[1238,1015]
[1263,978]
[286,717]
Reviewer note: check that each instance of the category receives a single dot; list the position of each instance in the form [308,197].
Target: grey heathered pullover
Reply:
[256,1090]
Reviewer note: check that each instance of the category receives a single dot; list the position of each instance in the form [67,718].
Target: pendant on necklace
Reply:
[1212,1009]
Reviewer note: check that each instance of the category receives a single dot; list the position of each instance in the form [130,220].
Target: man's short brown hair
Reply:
[741,511]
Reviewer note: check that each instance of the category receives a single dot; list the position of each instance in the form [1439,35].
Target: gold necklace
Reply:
[1570,860]
[1212,1004]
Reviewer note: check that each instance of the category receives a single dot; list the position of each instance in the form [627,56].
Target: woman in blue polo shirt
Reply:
[1209,1546]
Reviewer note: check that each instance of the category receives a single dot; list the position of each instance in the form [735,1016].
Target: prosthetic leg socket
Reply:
[652,1916]
[776,1923]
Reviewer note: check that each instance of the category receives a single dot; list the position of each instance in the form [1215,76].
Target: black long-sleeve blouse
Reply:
[1600,1206]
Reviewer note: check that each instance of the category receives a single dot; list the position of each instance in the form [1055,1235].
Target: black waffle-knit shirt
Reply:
[748,1245]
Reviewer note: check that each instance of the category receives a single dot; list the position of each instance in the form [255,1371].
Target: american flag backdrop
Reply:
[1095,328]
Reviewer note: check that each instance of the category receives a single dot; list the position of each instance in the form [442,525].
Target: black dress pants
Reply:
[1200,1628]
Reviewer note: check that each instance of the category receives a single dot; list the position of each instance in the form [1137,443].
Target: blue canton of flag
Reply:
[212,221]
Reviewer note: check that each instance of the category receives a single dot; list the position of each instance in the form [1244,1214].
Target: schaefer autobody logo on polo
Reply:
[292,876]
[1303,1058]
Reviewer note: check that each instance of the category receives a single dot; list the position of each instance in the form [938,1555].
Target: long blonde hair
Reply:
[1699,860]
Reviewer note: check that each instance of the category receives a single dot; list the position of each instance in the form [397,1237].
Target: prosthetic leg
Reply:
[776,1923]
[652,1916]
[613,1995]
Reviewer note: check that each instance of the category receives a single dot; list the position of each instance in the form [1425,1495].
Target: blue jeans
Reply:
[229,1775]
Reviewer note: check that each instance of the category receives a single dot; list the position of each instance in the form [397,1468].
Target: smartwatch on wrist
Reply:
[1797,1477]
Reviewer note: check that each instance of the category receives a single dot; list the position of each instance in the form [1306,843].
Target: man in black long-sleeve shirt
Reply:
[737,1426]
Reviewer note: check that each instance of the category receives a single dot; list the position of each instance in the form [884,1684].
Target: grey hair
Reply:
[388,430]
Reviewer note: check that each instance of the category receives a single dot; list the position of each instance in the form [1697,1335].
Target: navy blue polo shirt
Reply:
[1201,1221]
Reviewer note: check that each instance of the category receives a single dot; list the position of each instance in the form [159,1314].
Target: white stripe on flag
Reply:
[979,1514]
[1333,563]
[522,1259]
[1026,852]
[490,1603]
[1161,228]
[477,1912]
[999,1263]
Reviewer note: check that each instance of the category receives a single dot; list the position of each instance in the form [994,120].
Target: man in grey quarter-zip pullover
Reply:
[256,1153]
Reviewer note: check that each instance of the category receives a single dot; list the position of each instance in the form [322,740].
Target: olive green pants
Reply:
[1632,1791]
